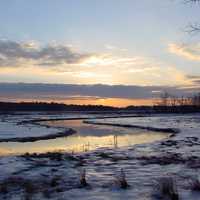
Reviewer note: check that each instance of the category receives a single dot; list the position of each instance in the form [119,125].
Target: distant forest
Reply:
[166,104]
[43,106]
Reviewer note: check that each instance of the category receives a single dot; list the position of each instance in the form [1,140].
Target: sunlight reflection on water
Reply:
[88,137]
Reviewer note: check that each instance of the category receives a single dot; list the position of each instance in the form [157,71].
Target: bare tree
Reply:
[194,27]
[193,1]
[174,100]
[164,97]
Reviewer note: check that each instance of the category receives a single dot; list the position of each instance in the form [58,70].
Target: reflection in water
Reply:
[115,141]
[88,137]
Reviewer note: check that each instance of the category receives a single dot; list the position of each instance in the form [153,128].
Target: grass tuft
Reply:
[195,184]
[121,180]
[167,188]
[83,181]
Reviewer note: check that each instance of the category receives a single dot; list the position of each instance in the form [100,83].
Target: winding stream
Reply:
[87,137]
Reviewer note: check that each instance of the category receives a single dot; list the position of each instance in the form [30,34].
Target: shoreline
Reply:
[166,130]
[69,131]
[39,138]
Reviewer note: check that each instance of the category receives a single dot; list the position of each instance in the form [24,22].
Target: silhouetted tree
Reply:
[194,27]
[164,99]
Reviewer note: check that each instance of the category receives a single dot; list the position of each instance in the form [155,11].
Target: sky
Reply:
[133,45]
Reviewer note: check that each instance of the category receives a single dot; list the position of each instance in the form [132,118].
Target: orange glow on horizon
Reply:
[115,102]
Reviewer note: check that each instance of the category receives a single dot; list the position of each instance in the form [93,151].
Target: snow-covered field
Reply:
[11,126]
[13,130]
[56,175]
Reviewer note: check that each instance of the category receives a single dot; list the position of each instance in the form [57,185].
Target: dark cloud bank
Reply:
[34,91]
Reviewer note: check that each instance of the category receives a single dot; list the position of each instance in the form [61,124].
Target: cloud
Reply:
[14,53]
[190,52]
[192,77]
[195,80]
[114,48]
[58,92]
[58,63]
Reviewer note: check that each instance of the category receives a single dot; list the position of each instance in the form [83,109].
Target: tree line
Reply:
[167,99]
[43,106]
[172,103]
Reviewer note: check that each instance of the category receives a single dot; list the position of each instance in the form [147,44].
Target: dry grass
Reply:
[167,188]
[121,180]
[195,184]
[29,190]
[82,179]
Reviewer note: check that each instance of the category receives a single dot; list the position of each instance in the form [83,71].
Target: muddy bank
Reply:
[38,120]
[166,130]
[169,158]
[37,138]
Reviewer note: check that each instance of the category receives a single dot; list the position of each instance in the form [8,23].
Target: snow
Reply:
[11,125]
[12,130]
[143,164]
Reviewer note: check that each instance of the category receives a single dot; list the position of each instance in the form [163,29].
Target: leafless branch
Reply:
[191,1]
[193,28]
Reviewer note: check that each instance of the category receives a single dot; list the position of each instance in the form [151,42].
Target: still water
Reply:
[88,137]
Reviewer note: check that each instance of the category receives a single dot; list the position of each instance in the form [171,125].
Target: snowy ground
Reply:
[56,176]
[12,130]
[14,126]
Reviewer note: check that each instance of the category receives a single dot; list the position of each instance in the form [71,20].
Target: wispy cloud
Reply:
[195,80]
[111,47]
[190,52]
